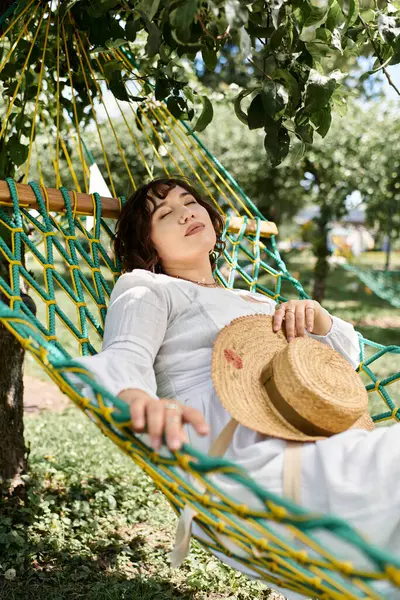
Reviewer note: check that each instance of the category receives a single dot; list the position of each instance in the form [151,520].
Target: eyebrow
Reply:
[163,203]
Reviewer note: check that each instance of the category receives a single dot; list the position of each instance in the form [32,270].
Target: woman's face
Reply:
[181,229]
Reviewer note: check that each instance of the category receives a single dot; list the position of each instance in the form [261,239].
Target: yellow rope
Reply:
[18,17]
[53,158]
[75,109]
[192,168]
[58,108]
[182,139]
[120,149]
[15,44]
[70,165]
[176,125]
[39,89]
[157,154]
[11,104]
[144,161]
[94,115]
[39,165]
[76,144]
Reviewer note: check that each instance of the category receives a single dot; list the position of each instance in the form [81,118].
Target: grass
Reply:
[93,526]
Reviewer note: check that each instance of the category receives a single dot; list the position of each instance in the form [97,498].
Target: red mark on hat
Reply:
[233,358]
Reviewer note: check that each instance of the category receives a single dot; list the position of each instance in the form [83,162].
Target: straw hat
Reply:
[302,391]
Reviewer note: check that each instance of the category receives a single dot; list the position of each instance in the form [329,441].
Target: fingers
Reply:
[137,400]
[162,417]
[290,322]
[174,423]
[298,315]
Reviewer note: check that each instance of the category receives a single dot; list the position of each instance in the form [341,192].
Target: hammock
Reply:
[385,284]
[69,273]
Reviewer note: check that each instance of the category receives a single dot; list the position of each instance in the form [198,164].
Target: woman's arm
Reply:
[135,327]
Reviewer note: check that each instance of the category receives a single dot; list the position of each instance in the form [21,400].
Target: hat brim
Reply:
[241,351]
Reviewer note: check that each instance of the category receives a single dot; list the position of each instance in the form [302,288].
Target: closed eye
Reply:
[186,204]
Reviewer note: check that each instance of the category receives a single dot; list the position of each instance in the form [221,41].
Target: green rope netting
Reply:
[70,274]
[385,284]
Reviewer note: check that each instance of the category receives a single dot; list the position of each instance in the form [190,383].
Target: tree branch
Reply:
[383,64]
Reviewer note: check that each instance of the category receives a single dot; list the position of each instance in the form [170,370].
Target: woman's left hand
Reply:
[302,315]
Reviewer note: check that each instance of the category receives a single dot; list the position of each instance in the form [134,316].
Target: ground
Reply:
[43,395]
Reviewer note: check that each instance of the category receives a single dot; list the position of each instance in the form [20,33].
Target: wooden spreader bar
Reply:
[83,204]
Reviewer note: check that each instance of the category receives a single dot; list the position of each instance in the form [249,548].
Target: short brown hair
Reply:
[132,242]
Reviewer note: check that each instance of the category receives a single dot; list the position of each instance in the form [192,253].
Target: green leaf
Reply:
[276,12]
[149,7]
[351,9]
[291,85]
[210,58]
[188,93]
[181,18]
[277,145]
[236,13]
[389,28]
[176,106]
[118,88]
[315,19]
[245,42]
[256,113]
[67,7]
[318,92]
[240,113]
[205,116]
[112,67]
[153,40]
[322,119]
[336,40]
[274,97]
[131,30]
[115,43]
[18,152]
[305,133]
[162,88]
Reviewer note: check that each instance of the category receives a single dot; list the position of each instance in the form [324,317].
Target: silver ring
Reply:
[173,406]
[310,308]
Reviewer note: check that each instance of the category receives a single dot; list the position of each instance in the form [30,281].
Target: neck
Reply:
[198,273]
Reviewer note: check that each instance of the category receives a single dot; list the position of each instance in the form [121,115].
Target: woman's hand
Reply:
[162,416]
[300,315]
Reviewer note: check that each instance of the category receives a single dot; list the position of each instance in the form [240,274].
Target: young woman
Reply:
[164,315]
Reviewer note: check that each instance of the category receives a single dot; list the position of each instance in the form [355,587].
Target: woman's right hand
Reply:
[162,416]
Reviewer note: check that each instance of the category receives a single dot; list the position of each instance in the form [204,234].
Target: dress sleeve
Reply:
[343,338]
[134,330]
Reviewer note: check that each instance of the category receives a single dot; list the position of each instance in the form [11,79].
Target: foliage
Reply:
[379,150]
[94,526]
[287,42]
[298,52]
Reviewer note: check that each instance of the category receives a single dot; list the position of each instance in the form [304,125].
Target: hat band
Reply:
[288,412]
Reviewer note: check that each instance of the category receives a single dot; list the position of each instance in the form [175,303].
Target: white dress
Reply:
[158,337]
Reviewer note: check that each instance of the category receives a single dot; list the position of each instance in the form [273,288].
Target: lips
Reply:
[194,228]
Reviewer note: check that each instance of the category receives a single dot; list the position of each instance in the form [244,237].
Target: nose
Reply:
[186,213]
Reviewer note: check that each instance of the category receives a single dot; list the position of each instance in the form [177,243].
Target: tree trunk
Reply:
[389,229]
[13,455]
[321,251]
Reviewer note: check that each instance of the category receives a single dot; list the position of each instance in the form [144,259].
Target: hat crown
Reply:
[319,384]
